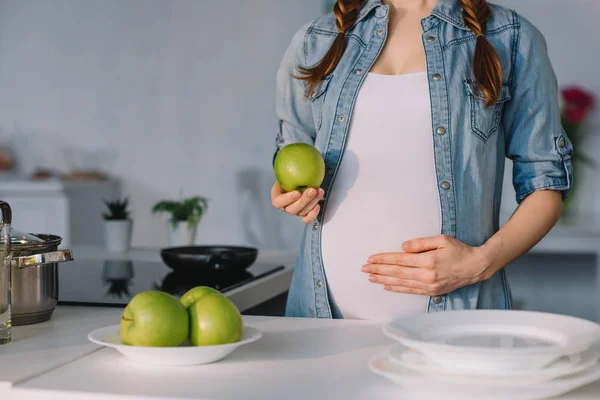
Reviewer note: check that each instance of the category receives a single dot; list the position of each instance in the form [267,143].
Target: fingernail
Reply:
[321,192]
[371,260]
[312,192]
[372,278]
[366,268]
[388,288]
[296,195]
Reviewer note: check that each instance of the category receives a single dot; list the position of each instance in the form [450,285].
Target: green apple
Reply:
[299,166]
[154,319]
[214,319]
[195,294]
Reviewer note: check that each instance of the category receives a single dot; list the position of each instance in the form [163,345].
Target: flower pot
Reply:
[117,235]
[181,234]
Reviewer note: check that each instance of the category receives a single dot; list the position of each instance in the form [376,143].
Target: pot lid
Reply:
[20,238]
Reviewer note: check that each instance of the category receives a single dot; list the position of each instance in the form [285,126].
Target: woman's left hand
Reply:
[430,266]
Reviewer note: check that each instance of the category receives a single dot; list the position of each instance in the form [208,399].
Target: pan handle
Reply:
[222,260]
[44,258]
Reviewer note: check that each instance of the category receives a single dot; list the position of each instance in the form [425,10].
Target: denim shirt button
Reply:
[436,77]
[561,143]
[379,32]
[358,71]
[441,130]
[319,284]
[431,38]
[341,118]
[445,185]
[315,225]
[437,299]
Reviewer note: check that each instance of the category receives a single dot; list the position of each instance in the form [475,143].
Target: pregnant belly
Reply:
[353,232]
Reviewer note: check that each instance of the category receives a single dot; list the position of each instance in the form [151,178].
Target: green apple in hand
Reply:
[195,294]
[299,166]
[154,319]
[214,320]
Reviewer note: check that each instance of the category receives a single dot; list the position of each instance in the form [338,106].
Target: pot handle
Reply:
[44,258]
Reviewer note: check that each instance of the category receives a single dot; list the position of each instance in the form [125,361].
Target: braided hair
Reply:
[487,69]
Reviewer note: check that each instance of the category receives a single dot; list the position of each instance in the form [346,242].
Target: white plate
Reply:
[412,360]
[419,386]
[183,355]
[494,340]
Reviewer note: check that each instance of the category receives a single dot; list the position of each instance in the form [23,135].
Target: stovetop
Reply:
[115,282]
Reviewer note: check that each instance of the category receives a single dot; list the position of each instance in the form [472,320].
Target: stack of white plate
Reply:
[490,354]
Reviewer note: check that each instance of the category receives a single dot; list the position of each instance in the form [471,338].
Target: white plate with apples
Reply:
[156,328]
[182,355]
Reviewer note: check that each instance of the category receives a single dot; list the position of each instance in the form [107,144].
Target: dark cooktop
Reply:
[115,282]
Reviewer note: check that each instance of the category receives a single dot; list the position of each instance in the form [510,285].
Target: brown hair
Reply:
[487,69]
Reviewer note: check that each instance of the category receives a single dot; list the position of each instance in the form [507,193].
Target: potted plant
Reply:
[118,226]
[185,215]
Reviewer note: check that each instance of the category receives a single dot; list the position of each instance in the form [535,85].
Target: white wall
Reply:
[573,36]
[167,95]
[179,94]
[564,283]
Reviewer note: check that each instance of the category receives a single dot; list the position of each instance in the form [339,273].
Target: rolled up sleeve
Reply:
[535,140]
[296,124]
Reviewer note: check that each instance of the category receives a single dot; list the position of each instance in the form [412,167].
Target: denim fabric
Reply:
[470,141]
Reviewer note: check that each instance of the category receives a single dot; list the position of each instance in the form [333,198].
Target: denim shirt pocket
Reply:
[317,98]
[485,121]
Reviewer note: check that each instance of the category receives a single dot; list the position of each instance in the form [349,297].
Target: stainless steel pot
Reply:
[34,269]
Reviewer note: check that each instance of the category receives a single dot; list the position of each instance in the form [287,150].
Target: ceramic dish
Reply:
[409,359]
[419,386]
[494,340]
[183,355]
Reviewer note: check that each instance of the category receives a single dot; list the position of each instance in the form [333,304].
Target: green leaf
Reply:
[189,209]
[117,209]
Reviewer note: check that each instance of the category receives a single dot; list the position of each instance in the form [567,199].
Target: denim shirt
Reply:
[470,141]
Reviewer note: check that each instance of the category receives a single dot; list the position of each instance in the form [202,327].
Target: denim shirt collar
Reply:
[446,10]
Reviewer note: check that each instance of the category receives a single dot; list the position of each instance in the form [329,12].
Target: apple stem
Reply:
[126,319]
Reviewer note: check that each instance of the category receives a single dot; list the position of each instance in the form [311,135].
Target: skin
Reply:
[440,264]
[403,52]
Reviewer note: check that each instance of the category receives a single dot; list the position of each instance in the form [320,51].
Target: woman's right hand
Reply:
[305,205]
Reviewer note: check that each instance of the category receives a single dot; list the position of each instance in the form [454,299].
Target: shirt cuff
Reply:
[556,176]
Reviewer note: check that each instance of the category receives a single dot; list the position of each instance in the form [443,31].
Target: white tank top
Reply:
[385,193]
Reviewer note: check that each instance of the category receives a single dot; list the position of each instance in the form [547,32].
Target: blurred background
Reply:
[170,99]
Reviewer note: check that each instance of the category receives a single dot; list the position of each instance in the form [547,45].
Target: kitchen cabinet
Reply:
[72,210]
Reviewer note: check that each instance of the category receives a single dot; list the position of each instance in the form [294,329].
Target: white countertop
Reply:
[41,347]
[295,359]
[61,339]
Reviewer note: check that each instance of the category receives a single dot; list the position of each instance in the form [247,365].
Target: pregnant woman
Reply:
[414,105]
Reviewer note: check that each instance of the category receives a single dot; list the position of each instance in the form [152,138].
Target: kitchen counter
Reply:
[39,348]
[295,359]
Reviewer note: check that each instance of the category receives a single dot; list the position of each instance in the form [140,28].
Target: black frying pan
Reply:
[209,259]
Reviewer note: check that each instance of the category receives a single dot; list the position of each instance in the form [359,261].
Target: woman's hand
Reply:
[429,266]
[305,205]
